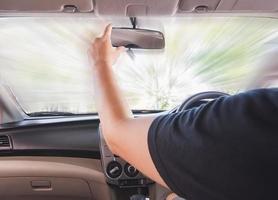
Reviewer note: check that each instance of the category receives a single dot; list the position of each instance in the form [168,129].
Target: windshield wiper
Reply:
[50,114]
[146,111]
[63,114]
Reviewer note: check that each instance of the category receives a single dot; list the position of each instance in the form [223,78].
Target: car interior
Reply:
[51,144]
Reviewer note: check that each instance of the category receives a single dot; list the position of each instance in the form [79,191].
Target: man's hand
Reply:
[101,50]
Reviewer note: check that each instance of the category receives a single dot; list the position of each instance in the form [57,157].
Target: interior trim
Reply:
[88,170]
[52,153]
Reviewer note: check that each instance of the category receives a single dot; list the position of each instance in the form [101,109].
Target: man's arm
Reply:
[125,135]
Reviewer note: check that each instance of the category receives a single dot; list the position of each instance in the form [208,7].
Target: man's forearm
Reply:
[110,103]
[112,108]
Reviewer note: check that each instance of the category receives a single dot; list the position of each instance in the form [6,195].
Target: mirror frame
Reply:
[141,29]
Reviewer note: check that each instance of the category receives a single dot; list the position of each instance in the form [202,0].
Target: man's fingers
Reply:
[107,31]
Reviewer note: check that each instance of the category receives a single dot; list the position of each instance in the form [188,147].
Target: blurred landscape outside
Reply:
[44,61]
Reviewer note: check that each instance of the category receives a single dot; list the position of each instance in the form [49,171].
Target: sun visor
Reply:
[135,8]
[46,5]
[249,5]
[228,6]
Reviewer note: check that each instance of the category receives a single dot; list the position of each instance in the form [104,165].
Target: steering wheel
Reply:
[193,100]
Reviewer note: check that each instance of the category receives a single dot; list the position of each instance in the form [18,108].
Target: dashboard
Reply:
[71,148]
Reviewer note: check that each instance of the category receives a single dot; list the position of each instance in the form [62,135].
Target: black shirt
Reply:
[225,149]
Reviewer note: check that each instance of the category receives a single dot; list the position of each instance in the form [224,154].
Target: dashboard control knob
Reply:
[130,171]
[114,169]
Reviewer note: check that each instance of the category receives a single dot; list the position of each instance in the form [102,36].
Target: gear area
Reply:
[122,176]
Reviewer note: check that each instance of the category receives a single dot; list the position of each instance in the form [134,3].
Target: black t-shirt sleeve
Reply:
[225,149]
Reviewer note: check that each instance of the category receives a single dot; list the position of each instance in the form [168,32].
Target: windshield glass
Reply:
[44,61]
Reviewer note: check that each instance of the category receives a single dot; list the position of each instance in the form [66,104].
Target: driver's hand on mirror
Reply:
[102,51]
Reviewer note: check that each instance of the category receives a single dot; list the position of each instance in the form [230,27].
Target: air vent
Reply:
[5,142]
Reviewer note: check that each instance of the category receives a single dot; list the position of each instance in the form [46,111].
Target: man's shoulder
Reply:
[258,98]
[261,92]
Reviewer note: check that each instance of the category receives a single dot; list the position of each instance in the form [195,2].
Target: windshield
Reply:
[44,60]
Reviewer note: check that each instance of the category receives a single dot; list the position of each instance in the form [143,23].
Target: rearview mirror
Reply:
[137,38]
